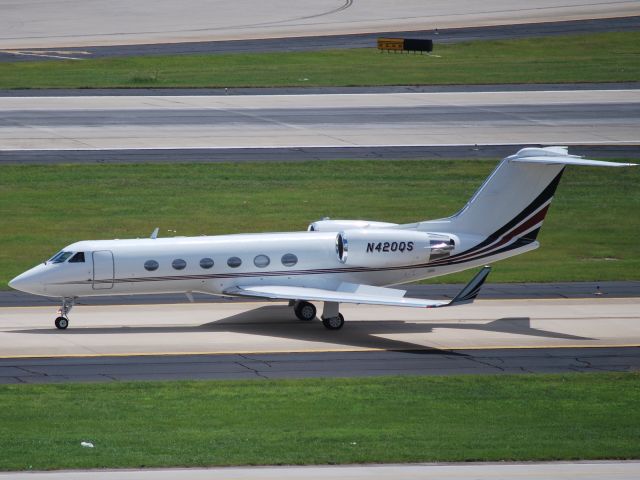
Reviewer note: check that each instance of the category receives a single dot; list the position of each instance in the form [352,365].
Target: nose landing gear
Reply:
[62,322]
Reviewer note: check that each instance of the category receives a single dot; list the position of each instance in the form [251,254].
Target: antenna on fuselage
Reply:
[154,234]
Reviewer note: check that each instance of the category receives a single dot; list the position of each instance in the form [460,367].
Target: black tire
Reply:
[333,323]
[305,311]
[62,323]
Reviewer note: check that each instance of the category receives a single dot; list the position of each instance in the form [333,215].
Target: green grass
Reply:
[591,232]
[321,421]
[606,57]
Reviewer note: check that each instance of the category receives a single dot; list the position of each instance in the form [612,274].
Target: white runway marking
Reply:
[44,54]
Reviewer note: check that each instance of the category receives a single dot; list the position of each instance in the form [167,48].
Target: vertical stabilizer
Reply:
[514,199]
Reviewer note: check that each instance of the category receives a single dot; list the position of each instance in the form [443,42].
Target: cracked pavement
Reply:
[319,364]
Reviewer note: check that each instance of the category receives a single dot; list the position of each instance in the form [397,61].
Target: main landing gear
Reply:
[332,319]
[62,322]
[305,311]
[334,323]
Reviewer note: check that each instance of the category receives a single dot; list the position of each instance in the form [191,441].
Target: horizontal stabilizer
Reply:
[570,160]
[364,294]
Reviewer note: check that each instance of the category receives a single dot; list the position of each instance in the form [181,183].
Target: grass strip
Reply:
[321,421]
[604,57]
[589,234]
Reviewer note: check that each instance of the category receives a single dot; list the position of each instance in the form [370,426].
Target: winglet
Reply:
[469,293]
[154,234]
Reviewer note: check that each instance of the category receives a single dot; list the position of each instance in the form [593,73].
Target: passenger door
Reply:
[103,270]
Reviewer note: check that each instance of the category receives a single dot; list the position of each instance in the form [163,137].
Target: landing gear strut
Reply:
[332,319]
[305,311]
[62,321]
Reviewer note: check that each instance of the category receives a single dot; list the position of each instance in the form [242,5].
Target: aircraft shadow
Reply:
[279,321]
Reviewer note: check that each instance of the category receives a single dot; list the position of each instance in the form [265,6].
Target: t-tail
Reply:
[505,215]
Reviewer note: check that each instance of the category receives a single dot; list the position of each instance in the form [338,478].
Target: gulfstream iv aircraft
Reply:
[334,261]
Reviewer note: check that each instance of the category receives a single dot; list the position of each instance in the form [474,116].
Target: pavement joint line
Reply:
[362,350]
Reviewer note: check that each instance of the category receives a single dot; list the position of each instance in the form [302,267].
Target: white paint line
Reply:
[42,55]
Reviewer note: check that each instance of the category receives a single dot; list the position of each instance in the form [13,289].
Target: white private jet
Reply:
[334,261]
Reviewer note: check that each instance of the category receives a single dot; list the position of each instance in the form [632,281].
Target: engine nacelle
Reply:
[340,225]
[389,247]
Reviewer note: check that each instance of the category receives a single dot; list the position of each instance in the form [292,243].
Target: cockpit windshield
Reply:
[60,257]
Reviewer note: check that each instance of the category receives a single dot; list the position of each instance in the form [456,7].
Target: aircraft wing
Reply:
[356,293]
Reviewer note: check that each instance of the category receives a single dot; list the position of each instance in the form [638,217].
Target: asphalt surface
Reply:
[495,291]
[314,43]
[213,155]
[321,364]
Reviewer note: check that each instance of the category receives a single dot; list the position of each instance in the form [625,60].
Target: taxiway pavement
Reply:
[65,23]
[601,117]
[588,470]
[257,328]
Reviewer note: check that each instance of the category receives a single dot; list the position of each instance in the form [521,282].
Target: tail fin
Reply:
[514,199]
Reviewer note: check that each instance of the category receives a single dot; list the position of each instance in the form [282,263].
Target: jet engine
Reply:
[389,247]
[340,225]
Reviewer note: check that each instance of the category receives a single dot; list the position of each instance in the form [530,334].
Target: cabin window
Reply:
[261,261]
[289,259]
[151,265]
[77,258]
[179,264]
[61,257]
[206,263]
[234,262]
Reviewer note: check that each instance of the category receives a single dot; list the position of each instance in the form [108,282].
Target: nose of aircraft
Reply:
[27,282]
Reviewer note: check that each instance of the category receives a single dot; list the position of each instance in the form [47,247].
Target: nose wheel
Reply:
[62,322]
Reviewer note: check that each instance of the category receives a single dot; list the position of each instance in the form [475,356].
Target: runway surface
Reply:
[67,23]
[596,470]
[586,117]
[326,42]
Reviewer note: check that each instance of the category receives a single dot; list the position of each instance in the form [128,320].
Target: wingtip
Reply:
[471,290]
